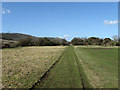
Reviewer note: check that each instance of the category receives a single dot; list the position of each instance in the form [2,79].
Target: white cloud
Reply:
[66,36]
[3,12]
[110,22]
[60,37]
[6,11]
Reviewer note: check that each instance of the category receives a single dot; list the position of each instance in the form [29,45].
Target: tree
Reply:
[118,43]
[74,41]
[46,42]
[106,41]
[85,41]
[80,41]
[64,42]
[100,42]
[41,41]
[115,38]
[26,42]
[94,41]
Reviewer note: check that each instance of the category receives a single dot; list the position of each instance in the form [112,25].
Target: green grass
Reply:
[100,65]
[65,74]
[88,65]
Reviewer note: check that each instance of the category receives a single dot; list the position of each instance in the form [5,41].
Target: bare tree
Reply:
[115,38]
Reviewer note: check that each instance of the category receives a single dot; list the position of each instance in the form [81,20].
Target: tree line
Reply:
[74,41]
[42,42]
[29,41]
[96,41]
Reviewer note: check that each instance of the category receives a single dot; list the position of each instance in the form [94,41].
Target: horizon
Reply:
[58,37]
[64,20]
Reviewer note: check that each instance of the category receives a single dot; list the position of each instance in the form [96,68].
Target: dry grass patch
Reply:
[22,67]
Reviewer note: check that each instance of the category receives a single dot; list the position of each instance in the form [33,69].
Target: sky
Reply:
[61,19]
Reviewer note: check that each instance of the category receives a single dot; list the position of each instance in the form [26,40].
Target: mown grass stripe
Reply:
[84,80]
[65,74]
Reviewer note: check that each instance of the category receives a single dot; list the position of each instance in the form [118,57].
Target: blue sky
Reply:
[66,20]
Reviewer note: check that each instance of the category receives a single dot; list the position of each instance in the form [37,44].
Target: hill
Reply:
[20,36]
[18,39]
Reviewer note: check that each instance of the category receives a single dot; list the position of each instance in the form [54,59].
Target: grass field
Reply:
[22,67]
[78,67]
[65,74]
[100,65]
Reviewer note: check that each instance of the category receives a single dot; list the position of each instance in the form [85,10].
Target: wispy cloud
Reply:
[60,37]
[6,11]
[110,22]
[65,36]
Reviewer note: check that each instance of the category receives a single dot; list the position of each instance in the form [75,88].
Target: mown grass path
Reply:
[65,74]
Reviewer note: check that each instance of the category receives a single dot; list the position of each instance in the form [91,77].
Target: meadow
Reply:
[100,65]
[78,67]
[22,67]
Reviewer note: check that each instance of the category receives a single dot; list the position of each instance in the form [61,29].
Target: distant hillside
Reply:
[15,36]
[10,40]
[20,36]
[8,43]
